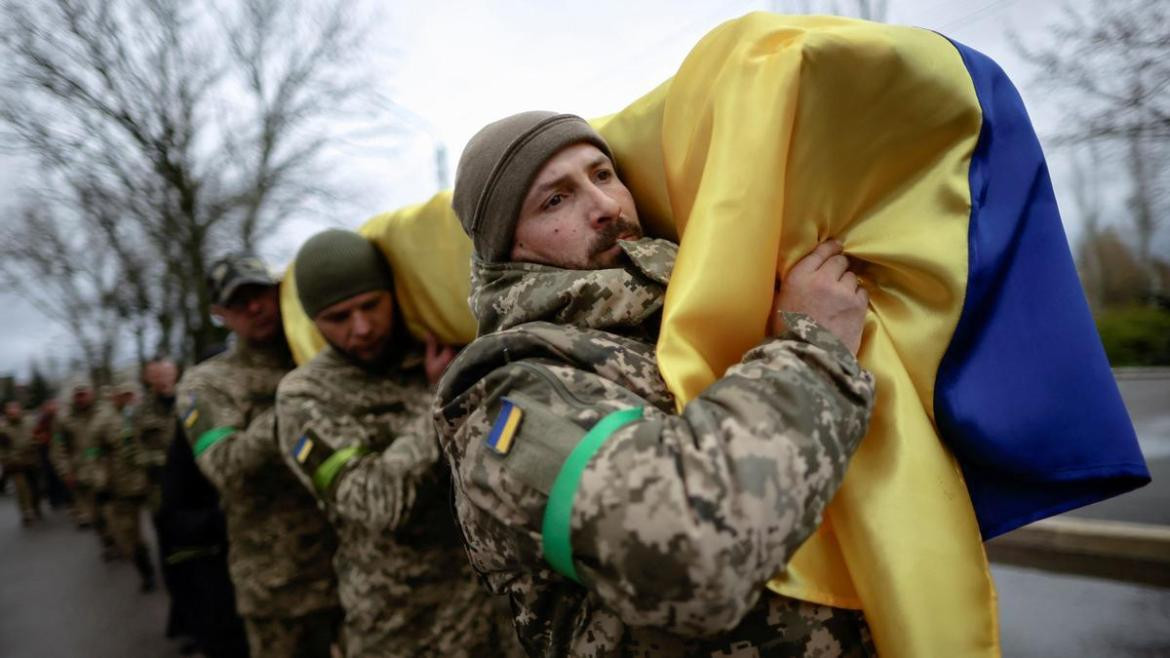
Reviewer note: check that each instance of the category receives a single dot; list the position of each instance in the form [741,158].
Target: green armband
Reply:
[327,472]
[210,438]
[556,529]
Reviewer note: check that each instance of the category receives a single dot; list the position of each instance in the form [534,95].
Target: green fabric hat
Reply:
[498,166]
[335,265]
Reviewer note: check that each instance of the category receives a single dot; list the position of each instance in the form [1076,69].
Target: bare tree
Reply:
[75,283]
[168,133]
[1088,201]
[1108,64]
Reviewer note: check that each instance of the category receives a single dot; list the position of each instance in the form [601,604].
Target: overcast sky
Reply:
[453,66]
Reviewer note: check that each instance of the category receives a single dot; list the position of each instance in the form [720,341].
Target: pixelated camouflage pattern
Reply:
[80,456]
[18,459]
[154,429]
[123,518]
[307,636]
[504,295]
[280,545]
[233,271]
[119,447]
[18,451]
[679,519]
[404,580]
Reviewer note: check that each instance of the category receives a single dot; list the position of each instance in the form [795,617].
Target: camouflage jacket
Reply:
[279,544]
[403,575]
[77,446]
[114,433]
[18,451]
[678,519]
[154,429]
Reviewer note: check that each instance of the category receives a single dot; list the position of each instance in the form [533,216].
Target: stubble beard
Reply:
[607,238]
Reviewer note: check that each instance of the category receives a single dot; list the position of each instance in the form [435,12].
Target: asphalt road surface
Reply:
[59,600]
[1147,396]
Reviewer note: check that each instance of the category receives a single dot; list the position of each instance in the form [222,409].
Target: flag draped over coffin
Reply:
[996,405]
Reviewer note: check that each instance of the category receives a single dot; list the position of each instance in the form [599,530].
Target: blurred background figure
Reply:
[18,458]
[45,432]
[129,484]
[192,538]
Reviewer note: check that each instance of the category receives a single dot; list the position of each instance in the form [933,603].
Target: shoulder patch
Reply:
[310,452]
[301,450]
[191,415]
[505,428]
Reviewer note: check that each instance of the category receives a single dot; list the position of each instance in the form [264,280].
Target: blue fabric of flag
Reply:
[1024,396]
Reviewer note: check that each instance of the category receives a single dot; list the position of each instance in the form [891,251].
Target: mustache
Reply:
[607,237]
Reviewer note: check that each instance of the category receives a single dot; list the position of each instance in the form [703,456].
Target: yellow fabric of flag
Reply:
[430,257]
[776,133]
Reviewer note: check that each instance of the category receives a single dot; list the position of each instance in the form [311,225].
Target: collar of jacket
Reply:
[398,362]
[275,354]
[504,295]
[156,401]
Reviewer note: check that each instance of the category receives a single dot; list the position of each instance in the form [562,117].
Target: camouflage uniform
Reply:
[18,458]
[679,518]
[280,544]
[61,459]
[404,580]
[154,429]
[125,482]
[79,460]
[129,486]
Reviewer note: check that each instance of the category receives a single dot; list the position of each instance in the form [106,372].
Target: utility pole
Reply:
[441,165]
[422,125]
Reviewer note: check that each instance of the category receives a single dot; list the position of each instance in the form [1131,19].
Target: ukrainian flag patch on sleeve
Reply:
[310,452]
[505,428]
[302,449]
[192,414]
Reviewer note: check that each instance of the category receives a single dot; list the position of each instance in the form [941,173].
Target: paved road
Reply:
[59,600]
[1148,400]
[1043,615]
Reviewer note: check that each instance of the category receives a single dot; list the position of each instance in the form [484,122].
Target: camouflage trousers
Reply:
[85,502]
[124,520]
[91,510]
[309,636]
[835,632]
[26,496]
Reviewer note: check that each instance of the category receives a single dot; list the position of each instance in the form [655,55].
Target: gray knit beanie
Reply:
[335,265]
[498,166]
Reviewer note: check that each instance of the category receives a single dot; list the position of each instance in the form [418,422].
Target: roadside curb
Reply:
[1131,552]
[1141,373]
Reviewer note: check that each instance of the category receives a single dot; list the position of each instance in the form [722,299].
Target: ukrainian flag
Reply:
[996,405]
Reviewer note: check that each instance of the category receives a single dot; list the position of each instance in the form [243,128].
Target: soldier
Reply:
[128,480]
[280,544]
[18,458]
[79,461]
[618,524]
[46,428]
[355,426]
[154,425]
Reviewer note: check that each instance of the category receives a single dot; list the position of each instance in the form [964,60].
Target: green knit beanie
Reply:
[335,265]
[497,168]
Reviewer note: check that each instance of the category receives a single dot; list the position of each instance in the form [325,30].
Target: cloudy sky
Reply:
[453,65]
